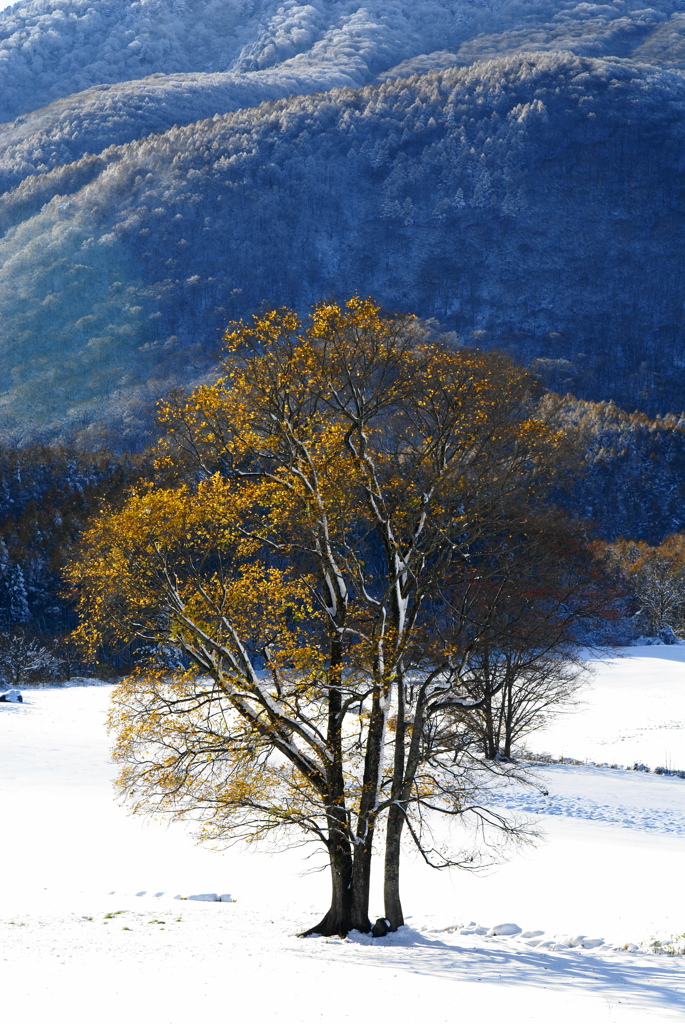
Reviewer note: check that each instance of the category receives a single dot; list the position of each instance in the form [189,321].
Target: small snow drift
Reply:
[505,929]
[11,697]
[208,897]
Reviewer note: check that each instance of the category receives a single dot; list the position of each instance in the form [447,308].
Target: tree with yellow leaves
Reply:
[319,510]
[655,580]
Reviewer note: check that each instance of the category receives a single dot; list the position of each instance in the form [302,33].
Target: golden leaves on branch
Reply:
[310,506]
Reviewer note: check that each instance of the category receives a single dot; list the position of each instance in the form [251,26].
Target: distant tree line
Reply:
[632,485]
[633,479]
[47,494]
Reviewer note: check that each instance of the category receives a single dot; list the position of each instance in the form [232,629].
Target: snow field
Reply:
[633,711]
[91,929]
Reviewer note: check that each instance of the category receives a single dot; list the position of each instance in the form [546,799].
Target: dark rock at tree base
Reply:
[380,928]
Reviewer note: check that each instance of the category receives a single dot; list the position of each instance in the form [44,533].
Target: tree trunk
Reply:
[508,703]
[391,885]
[361,884]
[490,745]
[350,875]
[339,919]
[405,768]
[350,888]
[366,820]
[393,837]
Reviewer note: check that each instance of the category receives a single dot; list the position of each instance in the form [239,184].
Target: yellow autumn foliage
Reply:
[313,504]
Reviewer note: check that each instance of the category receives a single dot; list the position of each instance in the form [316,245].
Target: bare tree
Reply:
[655,576]
[23,659]
[533,596]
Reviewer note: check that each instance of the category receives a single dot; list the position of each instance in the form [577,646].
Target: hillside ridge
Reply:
[493,166]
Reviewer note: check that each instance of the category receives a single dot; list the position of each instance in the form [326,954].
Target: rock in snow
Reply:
[11,697]
[209,897]
[505,929]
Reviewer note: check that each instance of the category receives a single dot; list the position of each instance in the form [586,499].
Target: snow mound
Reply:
[536,938]
[505,929]
[208,897]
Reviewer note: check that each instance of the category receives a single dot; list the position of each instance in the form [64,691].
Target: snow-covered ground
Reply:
[634,711]
[90,929]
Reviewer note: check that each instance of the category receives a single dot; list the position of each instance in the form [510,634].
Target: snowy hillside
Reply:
[510,167]
[52,50]
[135,258]
[49,49]
[123,71]
[88,895]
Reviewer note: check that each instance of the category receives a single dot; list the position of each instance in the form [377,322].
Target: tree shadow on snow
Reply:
[637,979]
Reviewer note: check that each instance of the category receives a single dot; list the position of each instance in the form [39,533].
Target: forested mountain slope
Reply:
[639,462]
[513,169]
[52,48]
[125,70]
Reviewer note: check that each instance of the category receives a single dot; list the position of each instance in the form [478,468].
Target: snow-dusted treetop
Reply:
[53,48]
[513,164]
[515,199]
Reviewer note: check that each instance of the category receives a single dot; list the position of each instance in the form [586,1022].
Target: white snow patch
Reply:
[505,929]
[89,906]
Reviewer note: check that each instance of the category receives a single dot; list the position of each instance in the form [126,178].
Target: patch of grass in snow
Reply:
[113,913]
[545,758]
[675,946]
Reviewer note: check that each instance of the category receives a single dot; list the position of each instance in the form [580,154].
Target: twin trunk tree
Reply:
[318,517]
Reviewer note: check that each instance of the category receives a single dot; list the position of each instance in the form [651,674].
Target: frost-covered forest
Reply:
[512,169]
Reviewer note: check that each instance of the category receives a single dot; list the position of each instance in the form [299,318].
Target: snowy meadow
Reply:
[102,918]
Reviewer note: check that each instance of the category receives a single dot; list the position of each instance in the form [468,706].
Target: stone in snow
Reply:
[210,897]
[505,929]
[11,696]
[580,941]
